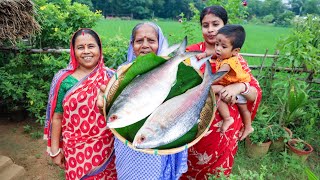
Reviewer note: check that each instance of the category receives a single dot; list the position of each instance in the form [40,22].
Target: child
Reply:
[229,41]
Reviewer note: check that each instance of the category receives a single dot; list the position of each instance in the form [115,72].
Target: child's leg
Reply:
[225,115]
[223,109]
[246,119]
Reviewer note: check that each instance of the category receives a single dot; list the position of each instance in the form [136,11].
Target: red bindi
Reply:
[82,33]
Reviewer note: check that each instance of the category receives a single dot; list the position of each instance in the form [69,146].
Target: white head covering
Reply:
[131,56]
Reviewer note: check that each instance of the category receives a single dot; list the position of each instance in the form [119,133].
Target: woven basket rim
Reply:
[112,81]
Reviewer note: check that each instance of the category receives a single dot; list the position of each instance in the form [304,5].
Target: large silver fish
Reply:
[146,92]
[176,116]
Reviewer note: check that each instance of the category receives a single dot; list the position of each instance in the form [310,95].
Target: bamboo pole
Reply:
[14,49]
[262,63]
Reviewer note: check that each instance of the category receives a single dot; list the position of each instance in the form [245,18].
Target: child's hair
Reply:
[235,33]
[218,11]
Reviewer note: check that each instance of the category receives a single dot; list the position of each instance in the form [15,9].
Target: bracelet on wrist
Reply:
[55,154]
[246,90]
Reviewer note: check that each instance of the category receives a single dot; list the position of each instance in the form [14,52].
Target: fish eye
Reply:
[141,139]
[113,117]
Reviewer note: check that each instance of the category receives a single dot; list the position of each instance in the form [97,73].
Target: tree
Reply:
[274,7]
[85,2]
[311,7]
[304,7]
[296,6]
[236,11]
[255,8]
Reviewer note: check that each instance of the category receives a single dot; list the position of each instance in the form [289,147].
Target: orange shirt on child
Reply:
[236,73]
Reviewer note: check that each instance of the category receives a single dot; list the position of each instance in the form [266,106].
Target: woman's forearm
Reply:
[252,94]
[234,89]
[56,132]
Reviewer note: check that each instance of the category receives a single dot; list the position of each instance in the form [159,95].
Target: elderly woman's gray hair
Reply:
[131,56]
[134,30]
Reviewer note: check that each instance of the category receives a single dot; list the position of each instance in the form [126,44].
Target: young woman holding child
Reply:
[215,152]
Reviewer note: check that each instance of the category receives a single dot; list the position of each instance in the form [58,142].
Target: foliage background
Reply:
[25,78]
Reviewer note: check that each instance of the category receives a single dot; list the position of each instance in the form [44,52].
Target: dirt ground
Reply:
[27,151]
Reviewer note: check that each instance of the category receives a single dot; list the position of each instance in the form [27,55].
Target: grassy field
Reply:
[259,37]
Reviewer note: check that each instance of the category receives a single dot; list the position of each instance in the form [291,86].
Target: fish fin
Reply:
[182,48]
[196,64]
[166,50]
[208,76]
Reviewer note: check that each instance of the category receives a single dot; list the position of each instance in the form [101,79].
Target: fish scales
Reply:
[176,116]
[146,92]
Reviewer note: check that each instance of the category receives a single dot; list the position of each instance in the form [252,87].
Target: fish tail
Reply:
[166,50]
[181,54]
[182,48]
[210,78]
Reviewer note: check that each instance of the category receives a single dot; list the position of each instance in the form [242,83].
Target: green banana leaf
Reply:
[187,78]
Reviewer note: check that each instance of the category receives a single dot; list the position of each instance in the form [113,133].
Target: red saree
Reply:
[87,143]
[215,152]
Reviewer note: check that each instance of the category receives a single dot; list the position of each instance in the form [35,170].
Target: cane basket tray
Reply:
[187,77]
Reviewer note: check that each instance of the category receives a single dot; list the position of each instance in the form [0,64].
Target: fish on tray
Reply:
[177,116]
[146,92]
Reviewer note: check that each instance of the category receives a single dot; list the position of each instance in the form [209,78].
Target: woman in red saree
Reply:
[78,138]
[215,152]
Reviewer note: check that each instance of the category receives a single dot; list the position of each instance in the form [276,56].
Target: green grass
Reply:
[262,37]
[275,165]
[259,37]
[112,28]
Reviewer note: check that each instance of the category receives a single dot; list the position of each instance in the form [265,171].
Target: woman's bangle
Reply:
[246,90]
[56,154]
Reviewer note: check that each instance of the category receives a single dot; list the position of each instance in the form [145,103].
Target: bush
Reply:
[302,47]
[25,78]
[115,51]
[59,20]
[268,19]
[284,19]
[255,20]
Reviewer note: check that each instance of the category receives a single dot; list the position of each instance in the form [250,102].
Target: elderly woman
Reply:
[130,164]
[78,139]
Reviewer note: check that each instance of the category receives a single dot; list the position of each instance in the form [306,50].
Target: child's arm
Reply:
[206,53]
[216,88]
[224,67]
[201,55]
